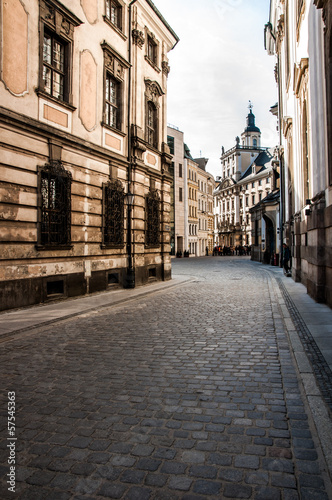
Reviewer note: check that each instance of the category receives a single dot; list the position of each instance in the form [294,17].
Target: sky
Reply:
[219,65]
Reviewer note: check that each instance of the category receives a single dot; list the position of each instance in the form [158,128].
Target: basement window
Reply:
[55,288]
[113,279]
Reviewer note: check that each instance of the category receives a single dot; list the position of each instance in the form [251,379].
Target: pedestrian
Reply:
[207,251]
[286,255]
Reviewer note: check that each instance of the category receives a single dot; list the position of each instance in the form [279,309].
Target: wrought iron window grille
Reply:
[152,235]
[55,206]
[113,227]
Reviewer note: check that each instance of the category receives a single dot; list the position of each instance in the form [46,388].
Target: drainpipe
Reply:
[281,164]
[130,281]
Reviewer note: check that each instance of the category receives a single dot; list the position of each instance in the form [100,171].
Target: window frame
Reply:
[48,216]
[118,26]
[115,68]
[152,219]
[113,229]
[59,23]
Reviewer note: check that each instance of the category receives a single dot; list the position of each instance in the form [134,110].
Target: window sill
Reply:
[104,246]
[154,66]
[54,247]
[47,96]
[113,129]
[116,28]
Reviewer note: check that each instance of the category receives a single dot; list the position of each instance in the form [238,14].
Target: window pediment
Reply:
[114,63]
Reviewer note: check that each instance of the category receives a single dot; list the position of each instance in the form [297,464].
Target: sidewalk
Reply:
[19,320]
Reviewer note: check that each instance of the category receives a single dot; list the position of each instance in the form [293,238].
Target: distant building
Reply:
[84,173]
[206,186]
[191,219]
[248,176]
[179,192]
[299,34]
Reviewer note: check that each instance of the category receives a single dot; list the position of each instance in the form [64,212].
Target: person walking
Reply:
[286,259]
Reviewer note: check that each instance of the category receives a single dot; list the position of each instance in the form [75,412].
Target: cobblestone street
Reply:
[190,392]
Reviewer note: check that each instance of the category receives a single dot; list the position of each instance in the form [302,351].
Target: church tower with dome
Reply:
[251,136]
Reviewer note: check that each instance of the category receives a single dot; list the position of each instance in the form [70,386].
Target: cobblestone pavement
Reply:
[188,393]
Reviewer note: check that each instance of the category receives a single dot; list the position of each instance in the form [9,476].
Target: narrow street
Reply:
[189,392]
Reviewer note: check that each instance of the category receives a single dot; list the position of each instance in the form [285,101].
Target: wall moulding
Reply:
[15,33]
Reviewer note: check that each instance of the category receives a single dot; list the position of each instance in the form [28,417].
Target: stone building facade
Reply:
[248,176]
[298,34]
[84,177]
[206,186]
[179,191]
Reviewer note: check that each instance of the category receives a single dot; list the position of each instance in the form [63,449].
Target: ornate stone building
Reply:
[84,173]
[299,35]
[248,176]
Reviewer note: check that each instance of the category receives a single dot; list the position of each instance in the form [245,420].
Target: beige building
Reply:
[205,208]
[298,34]
[179,192]
[192,182]
[248,176]
[84,178]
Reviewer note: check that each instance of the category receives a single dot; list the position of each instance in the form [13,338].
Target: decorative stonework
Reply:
[301,76]
[138,38]
[58,18]
[15,47]
[153,91]
[114,63]
[88,90]
[280,29]
[165,68]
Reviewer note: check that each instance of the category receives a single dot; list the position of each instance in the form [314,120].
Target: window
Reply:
[113,211]
[247,201]
[55,205]
[152,93]
[54,76]
[241,202]
[254,143]
[170,143]
[180,170]
[114,13]
[56,39]
[260,197]
[151,49]
[253,185]
[180,194]
[268,180]
[253,199]
[112,102]
[152,234]
[114,73]
[260,183]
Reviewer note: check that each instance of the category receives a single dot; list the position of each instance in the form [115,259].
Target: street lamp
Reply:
[130,279]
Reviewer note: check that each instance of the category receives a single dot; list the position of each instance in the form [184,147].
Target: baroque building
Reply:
[206,186]
[192,199]
[85,167]
[298,34]
[248,175]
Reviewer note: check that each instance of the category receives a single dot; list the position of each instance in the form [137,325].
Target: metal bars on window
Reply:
[152,238]
[55,190]
[113,230]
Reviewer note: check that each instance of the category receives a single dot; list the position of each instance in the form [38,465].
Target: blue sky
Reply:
[216,68]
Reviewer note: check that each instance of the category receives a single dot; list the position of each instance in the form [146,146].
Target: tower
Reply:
[251,136]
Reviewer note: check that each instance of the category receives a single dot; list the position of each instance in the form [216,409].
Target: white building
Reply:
[248,176]
[299,36]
